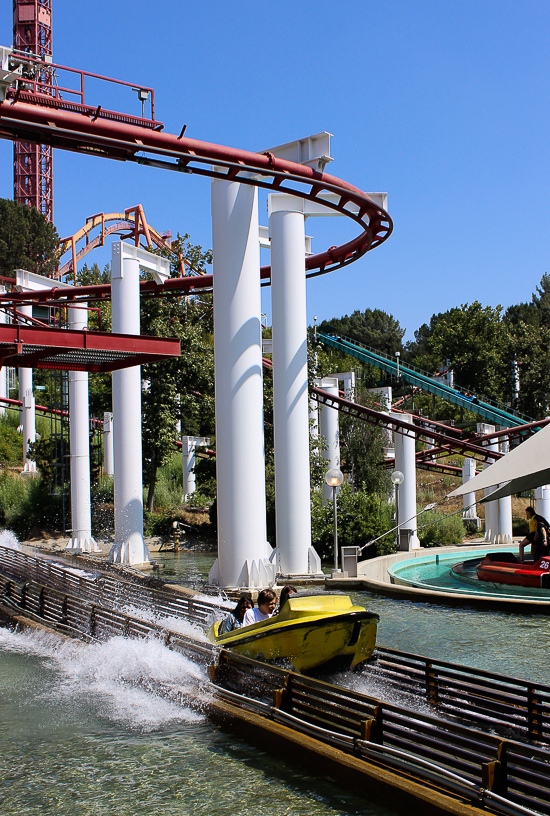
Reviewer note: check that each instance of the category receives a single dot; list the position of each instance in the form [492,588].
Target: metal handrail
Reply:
[411,367]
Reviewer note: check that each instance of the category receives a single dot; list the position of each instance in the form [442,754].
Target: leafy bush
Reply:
[25,504]
[11,443]
[361,518]
[102,491]
[437,529]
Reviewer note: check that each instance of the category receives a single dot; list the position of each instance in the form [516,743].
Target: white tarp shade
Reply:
[524,468]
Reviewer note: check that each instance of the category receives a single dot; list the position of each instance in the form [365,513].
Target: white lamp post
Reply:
[397,479]
[334,479]
[397,356]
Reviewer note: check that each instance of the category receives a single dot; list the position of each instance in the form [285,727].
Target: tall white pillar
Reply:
[505,530]
[290,391]
[469,512]
[405,461]
[28,414]
[542,501]
[329,429]
[240,466]
[491,508]
[129,546]
[29,424]
[3,369]
[108,444]
[188,451]
[79,436]
[314,419]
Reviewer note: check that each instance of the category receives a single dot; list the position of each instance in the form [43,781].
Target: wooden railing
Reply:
[485,698]
[503,774]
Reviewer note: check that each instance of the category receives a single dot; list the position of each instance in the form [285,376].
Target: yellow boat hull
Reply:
[311,630]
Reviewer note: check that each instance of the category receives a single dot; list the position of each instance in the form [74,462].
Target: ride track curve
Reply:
[41,122]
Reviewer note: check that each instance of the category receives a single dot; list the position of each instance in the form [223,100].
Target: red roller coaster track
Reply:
[39,120]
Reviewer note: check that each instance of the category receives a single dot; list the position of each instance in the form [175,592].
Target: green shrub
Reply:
[25,504]
[436,528]
[11,443]
[361,518]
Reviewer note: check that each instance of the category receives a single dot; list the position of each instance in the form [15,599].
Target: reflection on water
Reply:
[187,568]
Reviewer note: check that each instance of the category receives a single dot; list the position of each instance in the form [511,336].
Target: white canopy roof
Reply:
[524,468]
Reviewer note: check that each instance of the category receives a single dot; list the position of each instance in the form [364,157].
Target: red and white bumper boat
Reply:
[504,568]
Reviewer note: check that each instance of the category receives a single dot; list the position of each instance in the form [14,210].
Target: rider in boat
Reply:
[537,536]
[235,618]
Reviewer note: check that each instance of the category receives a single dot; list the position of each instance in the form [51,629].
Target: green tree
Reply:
[373,327]
[473,340]
[362,448]
[541,301]
[27,240]
[361,518]
[179,389]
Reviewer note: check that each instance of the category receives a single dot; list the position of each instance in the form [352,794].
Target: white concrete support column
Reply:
[290,391]
[469,512]
[491,508]
[3,369]
[189,446]
[79,436]
[240,466]
[108,444]
[542,501]
[27,413]
[405,461]
[29,423]
[314,419]
[188,451]
[330,429]
[129,547]
[505,530]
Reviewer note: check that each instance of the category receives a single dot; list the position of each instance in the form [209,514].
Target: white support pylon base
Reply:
[257,574]
[314,566]
[88,545]
[130,552]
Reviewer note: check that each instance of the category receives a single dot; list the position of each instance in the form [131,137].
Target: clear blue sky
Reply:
[444,105]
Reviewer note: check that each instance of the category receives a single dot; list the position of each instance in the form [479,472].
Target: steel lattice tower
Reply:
[33,168]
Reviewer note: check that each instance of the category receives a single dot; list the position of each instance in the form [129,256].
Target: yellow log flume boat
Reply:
[310,630]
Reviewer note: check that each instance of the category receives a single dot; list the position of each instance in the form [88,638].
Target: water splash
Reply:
[180,625]
[139,683]
[9,539]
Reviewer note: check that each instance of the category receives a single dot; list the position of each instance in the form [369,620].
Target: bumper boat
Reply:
[310,630]
[504,568]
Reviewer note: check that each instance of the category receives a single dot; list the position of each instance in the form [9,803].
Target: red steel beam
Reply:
[405,428]
[89,350]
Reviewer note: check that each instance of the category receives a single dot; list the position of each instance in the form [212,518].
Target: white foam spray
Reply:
[9,539]
[138,682]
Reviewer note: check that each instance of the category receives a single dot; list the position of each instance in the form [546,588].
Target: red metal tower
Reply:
[33,169]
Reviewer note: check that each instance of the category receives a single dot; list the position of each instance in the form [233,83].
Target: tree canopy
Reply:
[27,240]
[373,327]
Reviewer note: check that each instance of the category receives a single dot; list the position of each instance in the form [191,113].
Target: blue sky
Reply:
[444,105]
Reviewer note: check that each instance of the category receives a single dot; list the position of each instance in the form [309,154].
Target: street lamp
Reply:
[397,356]
[334,479]
[397,479]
